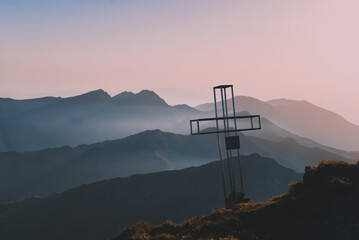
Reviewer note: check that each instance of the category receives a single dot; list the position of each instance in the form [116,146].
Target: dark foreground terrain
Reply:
[100,210]
[324,206]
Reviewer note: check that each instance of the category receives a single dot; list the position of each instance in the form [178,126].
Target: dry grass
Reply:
[284,217]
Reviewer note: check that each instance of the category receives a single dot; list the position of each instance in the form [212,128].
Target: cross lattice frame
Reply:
[232,140]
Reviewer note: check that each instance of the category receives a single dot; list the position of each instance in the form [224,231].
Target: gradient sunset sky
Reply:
[297,49]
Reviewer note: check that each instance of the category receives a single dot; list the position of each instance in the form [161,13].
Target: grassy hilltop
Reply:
[324,206]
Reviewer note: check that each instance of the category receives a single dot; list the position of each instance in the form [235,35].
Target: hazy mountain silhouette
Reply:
[123,95]
[302,118]
[10,106]
[145,97]
[91,117]
[95,116]
[100,210]
[273,132]
[291,154]
[93,97]
[54,170]
[47,171]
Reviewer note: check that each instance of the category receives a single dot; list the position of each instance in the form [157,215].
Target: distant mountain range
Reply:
[301,118]
[273,132]
[100,210]
[24,174]
[34,124]
[288,141]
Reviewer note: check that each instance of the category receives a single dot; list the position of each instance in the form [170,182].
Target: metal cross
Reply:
[229,126]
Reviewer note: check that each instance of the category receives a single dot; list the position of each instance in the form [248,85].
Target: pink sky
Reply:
[297,49]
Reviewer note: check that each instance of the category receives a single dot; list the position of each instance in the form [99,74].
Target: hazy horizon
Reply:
[301,50]
[174,96]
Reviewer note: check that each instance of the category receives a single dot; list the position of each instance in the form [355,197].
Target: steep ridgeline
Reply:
[55,170]
[100,210]
[95,116]
[324,206]
[302,118]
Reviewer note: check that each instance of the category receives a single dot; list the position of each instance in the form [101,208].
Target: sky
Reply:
[298,49]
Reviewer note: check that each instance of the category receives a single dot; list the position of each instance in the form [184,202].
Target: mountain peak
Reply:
[150,95]
[96,96]
[123,95]
[147,92]
[145,97]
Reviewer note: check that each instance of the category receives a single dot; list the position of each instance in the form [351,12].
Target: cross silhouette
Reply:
[229,126]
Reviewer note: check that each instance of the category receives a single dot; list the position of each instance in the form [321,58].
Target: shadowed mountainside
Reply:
[100,210]
[324,206]
[55,170]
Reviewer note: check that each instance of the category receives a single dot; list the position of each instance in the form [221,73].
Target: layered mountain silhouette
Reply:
[273,132]
[24,174]
[27,125]
[302,118]
[144,97]
[324,206]
[88,118]
[100,210]
[116,183]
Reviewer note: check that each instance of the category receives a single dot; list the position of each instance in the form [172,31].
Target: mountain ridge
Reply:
[302,118]
[146,97]
[103,208]
[323,206]
[86,118]
[57,169]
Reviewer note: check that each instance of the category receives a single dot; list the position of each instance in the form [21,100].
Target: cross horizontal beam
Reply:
[210,125]
[222,86]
